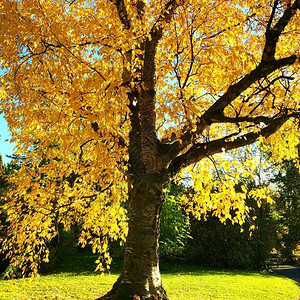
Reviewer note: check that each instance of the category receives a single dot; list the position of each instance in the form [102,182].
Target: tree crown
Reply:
[95,91]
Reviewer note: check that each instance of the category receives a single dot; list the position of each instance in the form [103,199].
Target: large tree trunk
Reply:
[140,277]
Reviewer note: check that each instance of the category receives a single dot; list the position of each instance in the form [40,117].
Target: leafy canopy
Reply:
[226,75]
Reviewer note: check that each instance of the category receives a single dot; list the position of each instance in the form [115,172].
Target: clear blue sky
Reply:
[6,148]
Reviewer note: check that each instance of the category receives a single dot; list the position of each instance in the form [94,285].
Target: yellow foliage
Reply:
[70,73]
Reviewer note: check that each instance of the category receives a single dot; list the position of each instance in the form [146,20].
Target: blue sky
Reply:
[6,148]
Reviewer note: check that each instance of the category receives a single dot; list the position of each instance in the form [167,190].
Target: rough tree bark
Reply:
[140,277]
[147,180]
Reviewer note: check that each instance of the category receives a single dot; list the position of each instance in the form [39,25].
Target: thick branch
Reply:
[273,34]
[140,7]
[165,17]
[156,34]
[122,12]
[235,90]
[202,150]
[146,97]
[215,112]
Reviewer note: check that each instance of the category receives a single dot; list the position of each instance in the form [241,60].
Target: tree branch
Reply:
[146,96]
[122,12]
[235,90]
[267,65]
[65,47]
[215,112]
[81,148]
[140,7]
[273,34]
[233,141]
[165,16]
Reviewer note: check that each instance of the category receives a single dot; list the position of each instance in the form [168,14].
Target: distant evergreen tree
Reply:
[288,209]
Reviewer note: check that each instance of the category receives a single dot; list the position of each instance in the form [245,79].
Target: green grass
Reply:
[75,280]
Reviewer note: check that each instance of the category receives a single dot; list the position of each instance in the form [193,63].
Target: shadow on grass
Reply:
[81,264]
[84,264]
[189,269]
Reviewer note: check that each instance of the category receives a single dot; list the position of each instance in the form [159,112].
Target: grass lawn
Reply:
[181,282]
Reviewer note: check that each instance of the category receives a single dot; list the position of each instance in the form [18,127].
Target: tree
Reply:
[228,245]
[288,208]
[125,95]
[6,170]
[3,188]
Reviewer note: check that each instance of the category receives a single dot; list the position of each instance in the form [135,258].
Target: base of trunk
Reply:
[140,277]
[124,291]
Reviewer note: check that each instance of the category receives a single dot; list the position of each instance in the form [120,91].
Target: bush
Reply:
[174,226]
[214,244]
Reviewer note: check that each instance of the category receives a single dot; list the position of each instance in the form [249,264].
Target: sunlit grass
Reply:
[229,285]
[181,282]
[59,286]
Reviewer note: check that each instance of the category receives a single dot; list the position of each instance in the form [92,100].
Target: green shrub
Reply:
[174,226]
[215,244]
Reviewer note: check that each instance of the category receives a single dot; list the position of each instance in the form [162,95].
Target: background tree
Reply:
[131,92]
[227,245]
[3,189]
[288,209]
[3,178]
